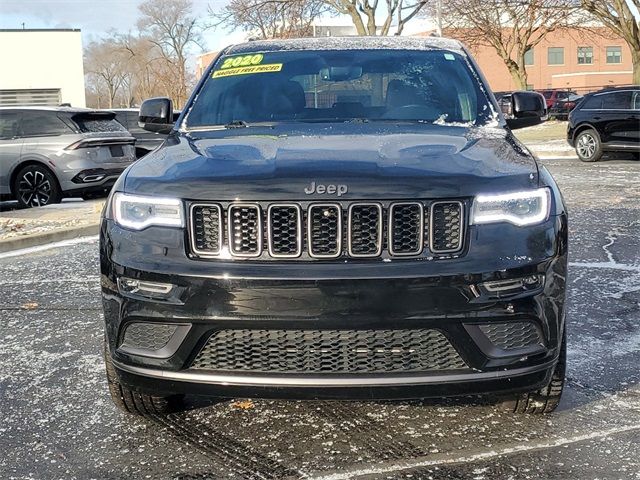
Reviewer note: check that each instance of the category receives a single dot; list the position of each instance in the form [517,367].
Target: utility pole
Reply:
[439,17]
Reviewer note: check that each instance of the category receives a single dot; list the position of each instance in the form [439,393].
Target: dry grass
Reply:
[551,130]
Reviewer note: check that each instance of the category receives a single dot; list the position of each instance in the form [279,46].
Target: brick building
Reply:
[583,60]
[203,61]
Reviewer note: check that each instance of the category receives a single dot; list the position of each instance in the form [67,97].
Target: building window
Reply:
[528,57]
[585,55]
[555,56]
[614,54]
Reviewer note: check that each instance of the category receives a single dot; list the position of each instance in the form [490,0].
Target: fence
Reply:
[592,88]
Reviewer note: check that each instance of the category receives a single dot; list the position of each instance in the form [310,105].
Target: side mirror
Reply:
[526,110]
[156,115]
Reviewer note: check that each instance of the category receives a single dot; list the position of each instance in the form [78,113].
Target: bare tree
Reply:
[270,18]
[367,14]
[511,27]
[172,27]
[618,16]
[281,18]
[150,71]
[105,65]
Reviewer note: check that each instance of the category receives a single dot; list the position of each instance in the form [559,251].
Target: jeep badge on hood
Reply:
[330,189]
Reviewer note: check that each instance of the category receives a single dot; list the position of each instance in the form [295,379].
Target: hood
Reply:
[373,162]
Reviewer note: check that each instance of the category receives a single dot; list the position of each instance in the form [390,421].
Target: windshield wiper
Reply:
[237,124]
[358,120]
[333,120]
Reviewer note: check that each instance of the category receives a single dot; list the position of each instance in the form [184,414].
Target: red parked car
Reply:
[554,95]
[562,108]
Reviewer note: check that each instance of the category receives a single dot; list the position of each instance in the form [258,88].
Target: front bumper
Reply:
[444,296]
[162,382]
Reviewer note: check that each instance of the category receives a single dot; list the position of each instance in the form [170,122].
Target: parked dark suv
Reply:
[146,141]
[337,218]
[606,121]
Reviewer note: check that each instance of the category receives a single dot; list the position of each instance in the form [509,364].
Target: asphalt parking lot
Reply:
[57,421]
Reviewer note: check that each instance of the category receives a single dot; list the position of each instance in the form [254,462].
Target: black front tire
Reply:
[588,146]
[547,399]
[36,186]
[136,403]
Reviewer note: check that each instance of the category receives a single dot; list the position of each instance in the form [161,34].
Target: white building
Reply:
[41,67]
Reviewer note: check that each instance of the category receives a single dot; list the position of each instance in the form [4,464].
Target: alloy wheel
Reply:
[586,145]
[34,188]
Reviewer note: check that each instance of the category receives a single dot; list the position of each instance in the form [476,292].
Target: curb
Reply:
[38,239]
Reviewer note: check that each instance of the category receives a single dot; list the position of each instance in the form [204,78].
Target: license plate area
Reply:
[116,151]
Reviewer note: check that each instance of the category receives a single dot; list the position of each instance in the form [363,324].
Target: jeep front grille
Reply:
[284,230]
[206,229]
[315,231]
[446,226]
[245,230]
[406,228]
[328,351]
[325,230]
[365,230]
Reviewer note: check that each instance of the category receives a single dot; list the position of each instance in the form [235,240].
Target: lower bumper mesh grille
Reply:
[513,335]
[328,351]
[147,336]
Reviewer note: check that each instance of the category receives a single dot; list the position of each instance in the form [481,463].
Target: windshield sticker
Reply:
[244,65]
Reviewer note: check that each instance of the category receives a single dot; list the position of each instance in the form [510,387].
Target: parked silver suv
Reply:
[49,153]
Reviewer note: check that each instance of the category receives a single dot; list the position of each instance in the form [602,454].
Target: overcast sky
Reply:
[96,17]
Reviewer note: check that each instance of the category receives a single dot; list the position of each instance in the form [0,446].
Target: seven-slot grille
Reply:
[327,230]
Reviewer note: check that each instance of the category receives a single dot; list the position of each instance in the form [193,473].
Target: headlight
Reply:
[519,208]
[137,213]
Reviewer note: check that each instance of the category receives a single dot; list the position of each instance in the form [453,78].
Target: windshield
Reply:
[314,86]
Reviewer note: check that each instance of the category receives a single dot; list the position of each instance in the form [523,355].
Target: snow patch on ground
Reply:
[481,456]
[550,146]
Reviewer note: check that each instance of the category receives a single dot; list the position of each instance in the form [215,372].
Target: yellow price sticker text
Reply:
[267,68]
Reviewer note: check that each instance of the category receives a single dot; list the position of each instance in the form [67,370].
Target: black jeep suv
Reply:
[336,218]
[606,121]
